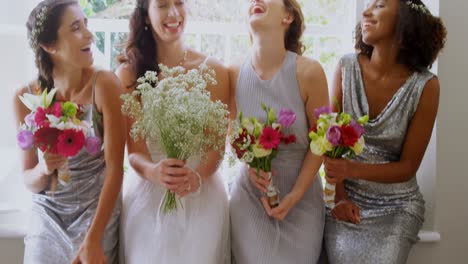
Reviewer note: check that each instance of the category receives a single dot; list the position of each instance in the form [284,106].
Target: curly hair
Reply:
[292,39]
[421,37]
[46,36]
[140,49]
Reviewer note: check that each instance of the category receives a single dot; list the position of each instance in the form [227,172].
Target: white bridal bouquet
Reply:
[177,112]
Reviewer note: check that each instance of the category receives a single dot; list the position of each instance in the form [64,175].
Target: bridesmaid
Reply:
[77,223]
[276,74]
[379,208]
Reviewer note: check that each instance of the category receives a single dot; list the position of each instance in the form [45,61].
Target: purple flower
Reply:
[286,117]
[29,120]
[93,145]
[359,129]
[322,110]
[25,139]
[334,135]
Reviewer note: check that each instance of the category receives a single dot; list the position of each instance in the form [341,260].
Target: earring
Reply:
[146,28]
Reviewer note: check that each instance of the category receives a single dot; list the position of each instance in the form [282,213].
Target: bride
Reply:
[197,232]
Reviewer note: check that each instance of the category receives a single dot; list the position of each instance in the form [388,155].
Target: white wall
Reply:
[451,208]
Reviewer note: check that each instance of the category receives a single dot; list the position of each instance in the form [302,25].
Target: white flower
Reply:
[358,146]
[260,152]
[320,146]
[32,101]
[58,123]
[248,157]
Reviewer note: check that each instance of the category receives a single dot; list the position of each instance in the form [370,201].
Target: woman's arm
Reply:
[414,147]
[213,158]
[138,154]
[314,91]
[107,96]
[36,175]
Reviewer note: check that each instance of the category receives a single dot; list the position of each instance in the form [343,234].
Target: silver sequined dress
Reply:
[59,222]
[391,214]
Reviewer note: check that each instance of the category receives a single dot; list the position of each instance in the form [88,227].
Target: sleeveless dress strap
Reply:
[94,86]
[29,88]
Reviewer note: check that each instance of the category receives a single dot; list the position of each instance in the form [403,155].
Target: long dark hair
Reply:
[292,39]
[48,34]
[421,37]
[141,48]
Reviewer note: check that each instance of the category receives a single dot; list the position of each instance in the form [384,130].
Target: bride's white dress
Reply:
[198,233]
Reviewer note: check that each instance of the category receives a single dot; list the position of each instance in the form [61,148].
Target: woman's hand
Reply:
[50,162]
[336,170]
[346,211]
[261,180]
[90,252]
[281,211]
[191,185]
[169,173]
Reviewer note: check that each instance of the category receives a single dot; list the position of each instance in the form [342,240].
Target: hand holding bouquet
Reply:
[336,135]
[56,128]
[178,114]
[257,143]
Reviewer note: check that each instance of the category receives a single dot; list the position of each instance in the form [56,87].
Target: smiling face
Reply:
[74,40]
[268,13]
[167,18]
[379,21]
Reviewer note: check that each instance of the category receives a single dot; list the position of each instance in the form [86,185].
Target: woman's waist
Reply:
[392,194]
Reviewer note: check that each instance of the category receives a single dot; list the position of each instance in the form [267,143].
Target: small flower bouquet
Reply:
[178,114]
[56,128]
[336,135]
[257,143]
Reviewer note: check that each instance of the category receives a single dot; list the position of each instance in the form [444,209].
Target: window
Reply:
[216,28]
[219,29]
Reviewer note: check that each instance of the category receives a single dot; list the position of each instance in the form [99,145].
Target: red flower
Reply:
[240,141]
[313,128]
[55,110]
[270,138]
[40,117]
[349,136]
[70,142]
[289,139]
[46,139]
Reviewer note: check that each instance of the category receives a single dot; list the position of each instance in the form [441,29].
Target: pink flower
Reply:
[270,138]
[70,142]
[334,135]
[25,139]
[40,117]
[29,120]
[93,145]
[286,117]
[359,128]
[56,109]
[322,110]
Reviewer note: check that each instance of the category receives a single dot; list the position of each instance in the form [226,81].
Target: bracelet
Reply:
[199,181]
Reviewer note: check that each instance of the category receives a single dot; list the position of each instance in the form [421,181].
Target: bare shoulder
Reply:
[107,80]
[432,87]
[107,88]
[217,66]
[126,75]
[429,99]
[32,86]
[309,69]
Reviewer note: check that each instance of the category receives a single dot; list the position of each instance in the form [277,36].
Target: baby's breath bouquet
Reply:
[176,111]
